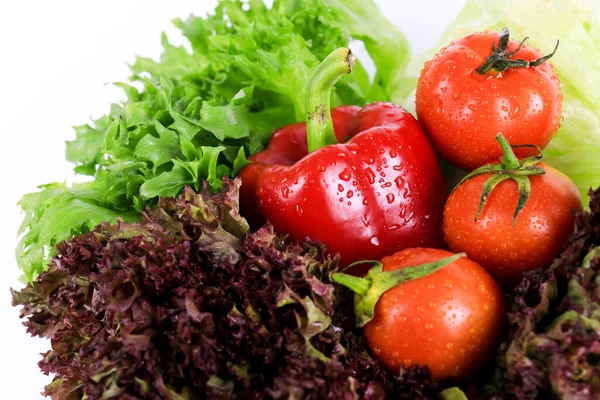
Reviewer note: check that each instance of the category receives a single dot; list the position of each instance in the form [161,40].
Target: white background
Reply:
[56,58]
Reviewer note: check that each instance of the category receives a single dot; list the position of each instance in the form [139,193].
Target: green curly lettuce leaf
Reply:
[55,214]
[195,116]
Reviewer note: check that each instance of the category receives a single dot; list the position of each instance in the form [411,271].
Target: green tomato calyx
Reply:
[500,60]
[510,167]
[369,289]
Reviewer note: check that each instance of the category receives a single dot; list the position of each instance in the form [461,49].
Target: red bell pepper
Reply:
[379,192]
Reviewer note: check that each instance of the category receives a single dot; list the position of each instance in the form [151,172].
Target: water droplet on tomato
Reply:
[375,241]
[514,111]
[285,191]
[390,197]
[450,66]
[439,105]
[349,194]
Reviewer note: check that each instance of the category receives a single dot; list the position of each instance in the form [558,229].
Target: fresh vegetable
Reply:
[186,305]
[429,307]
[511,216]
[482,84]
[553,349]
[574,148]
[380,192]
[195,116]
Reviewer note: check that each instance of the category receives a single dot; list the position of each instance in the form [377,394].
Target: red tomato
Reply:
[503,249]
[452,320]
[462,110]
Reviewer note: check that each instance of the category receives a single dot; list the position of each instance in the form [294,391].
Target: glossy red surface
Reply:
[504,249]
[380,192]
[452,320]
[462,111]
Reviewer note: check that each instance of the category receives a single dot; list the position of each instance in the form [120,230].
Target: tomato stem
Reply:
[510,167]
[319,126]
[510,160]
[500,60]
[358,285]
[369,289]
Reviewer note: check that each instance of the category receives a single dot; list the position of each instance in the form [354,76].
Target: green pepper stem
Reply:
[319,125]
[510,159]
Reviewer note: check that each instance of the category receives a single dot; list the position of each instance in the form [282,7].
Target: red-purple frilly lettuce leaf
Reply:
[187,304]
[553,350]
